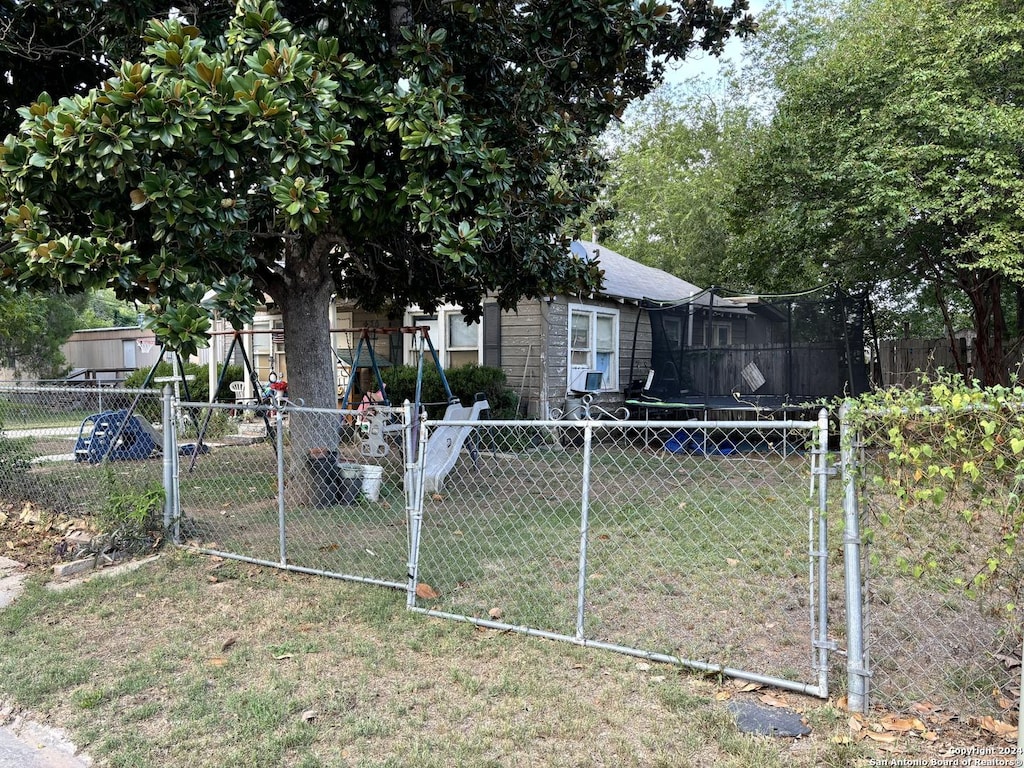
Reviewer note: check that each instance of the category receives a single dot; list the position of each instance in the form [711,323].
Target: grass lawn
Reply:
[201,662]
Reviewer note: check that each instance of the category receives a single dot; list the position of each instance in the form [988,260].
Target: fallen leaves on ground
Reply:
[33,536]
[998,727]
[426,592]
[925,724]
[772,701]
[902,724]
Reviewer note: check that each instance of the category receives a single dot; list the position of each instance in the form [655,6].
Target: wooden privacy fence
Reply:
[902,360]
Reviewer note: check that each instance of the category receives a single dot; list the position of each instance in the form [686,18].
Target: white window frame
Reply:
[716,334]
[478,347]
[610,381]
[716,328]
[441,341]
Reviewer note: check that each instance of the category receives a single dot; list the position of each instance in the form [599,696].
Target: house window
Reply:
[268,348]
[593,346]
[673,332]
[462,342]
[430,323]
[721,335]
[455,342]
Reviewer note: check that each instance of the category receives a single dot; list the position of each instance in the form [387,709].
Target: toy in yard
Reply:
[109,441]
[116,436]
[372,417]
[445,444]
[764,354]
[373,422]
[278,390]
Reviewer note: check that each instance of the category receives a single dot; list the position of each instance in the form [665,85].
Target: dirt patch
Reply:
[32,535]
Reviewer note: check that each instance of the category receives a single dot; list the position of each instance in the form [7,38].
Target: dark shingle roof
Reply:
[628,279]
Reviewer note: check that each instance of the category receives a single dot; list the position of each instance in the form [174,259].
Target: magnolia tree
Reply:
[393,154]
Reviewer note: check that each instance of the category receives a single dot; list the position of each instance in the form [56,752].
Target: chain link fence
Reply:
[689,541]
[938,496]
[321,491]
[697,542]
[83,458]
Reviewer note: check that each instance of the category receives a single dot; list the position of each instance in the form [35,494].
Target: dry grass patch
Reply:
[199,662]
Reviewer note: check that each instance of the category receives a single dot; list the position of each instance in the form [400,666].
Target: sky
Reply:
[701,63]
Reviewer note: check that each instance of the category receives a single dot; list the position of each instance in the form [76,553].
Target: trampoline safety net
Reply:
[715,350]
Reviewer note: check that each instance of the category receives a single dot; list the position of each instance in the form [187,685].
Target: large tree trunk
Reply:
[304,296]
[983,288]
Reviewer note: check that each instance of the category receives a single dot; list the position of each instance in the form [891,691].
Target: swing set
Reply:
[366,338]
[276,391]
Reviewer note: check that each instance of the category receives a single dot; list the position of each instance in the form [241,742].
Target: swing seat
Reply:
[241,401]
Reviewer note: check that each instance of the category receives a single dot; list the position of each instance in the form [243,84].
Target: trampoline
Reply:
[721,351]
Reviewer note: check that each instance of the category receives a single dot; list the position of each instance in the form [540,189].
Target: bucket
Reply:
[372,475]
[350,482]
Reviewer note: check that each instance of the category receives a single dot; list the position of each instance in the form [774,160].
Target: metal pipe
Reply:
[1020,720]
[611,426]
[413,499]
[700,666]
[279,443]
[581,589]
[296,568]
[168,457]
[176,469]
[823,646]
[856,668]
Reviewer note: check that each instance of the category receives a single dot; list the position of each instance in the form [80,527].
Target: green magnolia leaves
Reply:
[437,160]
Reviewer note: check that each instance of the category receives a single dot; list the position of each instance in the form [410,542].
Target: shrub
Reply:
[131,520]
[465,382]
[947,476]
[198,388]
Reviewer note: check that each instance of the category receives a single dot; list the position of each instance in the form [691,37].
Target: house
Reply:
[547,347]
[108,355]
[550,348]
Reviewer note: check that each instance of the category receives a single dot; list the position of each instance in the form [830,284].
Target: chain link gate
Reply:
[698,543]
[318,491]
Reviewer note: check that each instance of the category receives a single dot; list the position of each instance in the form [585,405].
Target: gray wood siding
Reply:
[557,350]
[521,352]
[102,348]
[351,319]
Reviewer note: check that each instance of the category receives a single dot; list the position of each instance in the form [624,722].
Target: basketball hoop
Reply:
[145,345]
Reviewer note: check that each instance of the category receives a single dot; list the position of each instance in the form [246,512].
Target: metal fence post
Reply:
[856,669]
[821,643]
[168,458]
[279,441]
[581,590]
[176,464]
[415,444]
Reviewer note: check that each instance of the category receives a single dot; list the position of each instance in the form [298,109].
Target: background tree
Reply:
[677,159]
[673,169]
[32,330]
[433,156]
[893,162]
[102,309]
